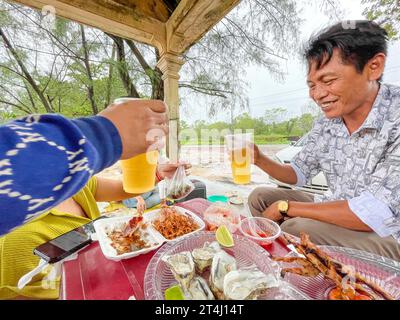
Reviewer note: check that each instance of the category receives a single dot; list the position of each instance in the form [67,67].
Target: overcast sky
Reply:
[292,94]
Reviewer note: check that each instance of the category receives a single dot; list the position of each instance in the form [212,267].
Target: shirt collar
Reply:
[375,118]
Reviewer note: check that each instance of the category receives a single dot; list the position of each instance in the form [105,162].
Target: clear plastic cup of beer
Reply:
[139,172]
[238,148]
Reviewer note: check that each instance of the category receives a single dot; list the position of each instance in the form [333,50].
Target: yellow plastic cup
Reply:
[237,146]
[139,172]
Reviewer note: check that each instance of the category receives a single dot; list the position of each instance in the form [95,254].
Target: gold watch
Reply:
[283,207]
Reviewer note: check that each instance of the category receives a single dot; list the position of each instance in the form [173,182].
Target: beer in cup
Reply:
[139,172]
[240,154]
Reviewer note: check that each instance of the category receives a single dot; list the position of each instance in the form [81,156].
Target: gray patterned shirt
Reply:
[364,167]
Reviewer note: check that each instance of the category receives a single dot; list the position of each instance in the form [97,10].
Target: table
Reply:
[93,277]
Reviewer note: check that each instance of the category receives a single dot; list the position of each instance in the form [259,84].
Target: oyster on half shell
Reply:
[203,257]
[199,290]
[247,284]
[182,267]
[222,263]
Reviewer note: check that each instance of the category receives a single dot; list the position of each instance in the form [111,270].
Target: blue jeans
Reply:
[151,199]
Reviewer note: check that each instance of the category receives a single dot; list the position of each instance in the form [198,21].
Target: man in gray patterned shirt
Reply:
[356,144]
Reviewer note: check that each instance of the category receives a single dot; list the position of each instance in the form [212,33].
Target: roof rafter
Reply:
[110,16]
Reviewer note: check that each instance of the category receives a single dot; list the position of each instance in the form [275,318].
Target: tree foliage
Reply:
[386,13]
[281,130]
[62,66]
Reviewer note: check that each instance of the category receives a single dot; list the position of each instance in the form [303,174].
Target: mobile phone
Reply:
[66,244]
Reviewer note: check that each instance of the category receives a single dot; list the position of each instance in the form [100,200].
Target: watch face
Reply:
[283,206]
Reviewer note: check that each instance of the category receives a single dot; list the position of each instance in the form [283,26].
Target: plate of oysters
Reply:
[204,270]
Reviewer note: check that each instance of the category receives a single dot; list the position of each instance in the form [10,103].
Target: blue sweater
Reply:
[45,159]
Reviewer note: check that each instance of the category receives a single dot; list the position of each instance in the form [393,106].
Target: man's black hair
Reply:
[358,42]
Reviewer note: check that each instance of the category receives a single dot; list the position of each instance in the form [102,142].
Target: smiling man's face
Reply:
[337,88]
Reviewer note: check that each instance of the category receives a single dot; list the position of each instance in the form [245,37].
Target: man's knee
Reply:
[295,226]
[258,200]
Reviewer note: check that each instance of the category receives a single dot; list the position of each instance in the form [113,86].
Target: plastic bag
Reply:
[222,214]
[179,186]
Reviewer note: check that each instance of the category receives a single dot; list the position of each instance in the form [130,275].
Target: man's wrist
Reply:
[299,209]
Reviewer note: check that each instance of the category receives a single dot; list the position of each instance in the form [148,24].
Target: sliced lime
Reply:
[224,236]
[174,293]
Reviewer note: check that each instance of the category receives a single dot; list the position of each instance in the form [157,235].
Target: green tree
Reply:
[244,122]
[304,123]
[78,70]
[262,33]
[386,13]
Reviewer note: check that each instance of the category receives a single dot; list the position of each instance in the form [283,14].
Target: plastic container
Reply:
[102,226]
[179,186]
[218,198]
[221,214]
[375,268]
[261,230]
[239,149]
[158,276]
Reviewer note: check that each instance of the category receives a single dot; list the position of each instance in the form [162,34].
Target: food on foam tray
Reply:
[134,241]
[131,237]
[350,285]
[172,224]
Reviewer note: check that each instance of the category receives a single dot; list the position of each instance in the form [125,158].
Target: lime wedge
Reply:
[174,293]
[224,236]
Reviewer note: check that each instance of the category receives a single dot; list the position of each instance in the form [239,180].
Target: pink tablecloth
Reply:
[91,276]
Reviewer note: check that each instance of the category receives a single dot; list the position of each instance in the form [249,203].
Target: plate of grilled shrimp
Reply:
[337,273]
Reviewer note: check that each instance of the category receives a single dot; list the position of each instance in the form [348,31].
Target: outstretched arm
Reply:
[281,172]
[112,190]
[45,159]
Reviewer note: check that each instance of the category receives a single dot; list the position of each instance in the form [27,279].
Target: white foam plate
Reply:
[103,226]
[153,215]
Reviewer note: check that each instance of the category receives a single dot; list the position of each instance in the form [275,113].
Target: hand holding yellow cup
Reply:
[239,150]
[139,172]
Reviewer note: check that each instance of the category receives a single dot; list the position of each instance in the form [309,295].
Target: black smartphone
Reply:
[66,244]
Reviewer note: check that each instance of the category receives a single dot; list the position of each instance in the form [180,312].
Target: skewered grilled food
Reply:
[350,285]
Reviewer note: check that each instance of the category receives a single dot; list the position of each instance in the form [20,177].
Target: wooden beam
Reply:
[192,19]
[109,16]
[155,9]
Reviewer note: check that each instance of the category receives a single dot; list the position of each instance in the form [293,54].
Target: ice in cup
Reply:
[139,172]
[238,148]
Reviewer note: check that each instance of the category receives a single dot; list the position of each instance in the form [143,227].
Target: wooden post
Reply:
[170,64]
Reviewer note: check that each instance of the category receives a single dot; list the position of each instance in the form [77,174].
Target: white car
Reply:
[318,183]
